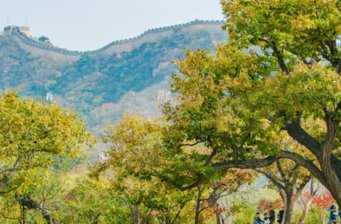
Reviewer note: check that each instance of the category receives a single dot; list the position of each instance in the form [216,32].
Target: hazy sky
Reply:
[90,24]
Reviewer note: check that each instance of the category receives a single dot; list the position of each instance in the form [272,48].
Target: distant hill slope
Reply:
[123,76]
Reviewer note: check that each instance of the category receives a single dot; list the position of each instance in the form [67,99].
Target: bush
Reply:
[316,216]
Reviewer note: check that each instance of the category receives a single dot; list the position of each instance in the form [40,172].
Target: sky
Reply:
[91,24]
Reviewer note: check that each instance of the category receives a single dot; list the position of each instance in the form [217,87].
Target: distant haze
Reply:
[90,24]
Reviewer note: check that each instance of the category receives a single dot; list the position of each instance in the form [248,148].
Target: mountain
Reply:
[124,76]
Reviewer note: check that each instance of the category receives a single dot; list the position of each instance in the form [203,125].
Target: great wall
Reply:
[26,39]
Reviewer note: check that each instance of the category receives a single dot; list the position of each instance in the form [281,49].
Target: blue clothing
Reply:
[257,220]
[333,213]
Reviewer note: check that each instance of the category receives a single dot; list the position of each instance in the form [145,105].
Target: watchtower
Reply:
[20,29]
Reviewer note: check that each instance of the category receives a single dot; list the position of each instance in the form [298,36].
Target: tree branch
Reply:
[272,178]
[308,164]
[332,126]
[280,170]
[247,164]
[295,130]
[338,107]
[334,57]
[192,144]
[280,58]
[29,203]
[301,187]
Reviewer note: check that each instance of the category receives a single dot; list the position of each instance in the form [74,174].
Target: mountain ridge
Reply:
[101,87]
[48,47]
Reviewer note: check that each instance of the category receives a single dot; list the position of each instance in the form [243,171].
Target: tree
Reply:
[154,180]
[267,205]
[92,201]
[220,189]
[324,200]
[33,138]
[307,199]
[134,164]
[208,111]
[85,64]
[272,79]
[290,180]
[32,201]
[299,42]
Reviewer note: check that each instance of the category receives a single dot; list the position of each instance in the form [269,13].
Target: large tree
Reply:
[34,138]
[302,41]
[290,180]
[279,76]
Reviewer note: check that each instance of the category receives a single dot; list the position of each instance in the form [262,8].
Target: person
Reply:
[272,216]
[257,219]
[280,216]
[266,218]
[332,213]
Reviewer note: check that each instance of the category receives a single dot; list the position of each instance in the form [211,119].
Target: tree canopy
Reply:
[35,138]
[277,77]
[268,100]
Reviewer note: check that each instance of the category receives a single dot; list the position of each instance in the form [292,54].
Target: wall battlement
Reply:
[21,33]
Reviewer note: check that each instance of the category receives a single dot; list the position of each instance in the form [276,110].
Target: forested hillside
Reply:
[100,84]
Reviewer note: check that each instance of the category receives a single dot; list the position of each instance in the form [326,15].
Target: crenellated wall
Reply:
[34,43]
[158,30]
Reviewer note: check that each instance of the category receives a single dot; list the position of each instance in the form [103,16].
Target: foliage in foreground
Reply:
[38,143]
[272,93]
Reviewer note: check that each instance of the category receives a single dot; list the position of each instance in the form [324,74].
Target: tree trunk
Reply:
[217,215]
[329,173]
[197,208]
[288,208]
[305,211]
[29,203]
[22,214]
[332,176]
[135,219]
[220,218]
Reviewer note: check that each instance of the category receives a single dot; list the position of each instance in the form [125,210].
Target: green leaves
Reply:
[32,134]
[303,28]
[216,101]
